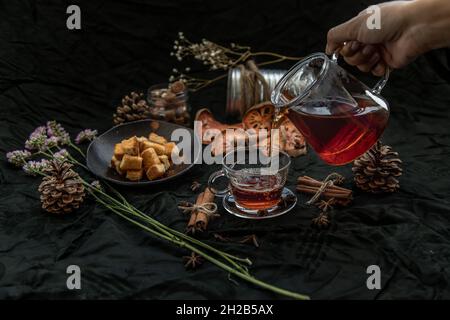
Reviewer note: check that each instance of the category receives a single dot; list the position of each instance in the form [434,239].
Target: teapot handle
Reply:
[380,84]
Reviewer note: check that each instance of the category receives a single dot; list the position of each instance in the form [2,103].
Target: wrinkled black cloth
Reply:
[78,77]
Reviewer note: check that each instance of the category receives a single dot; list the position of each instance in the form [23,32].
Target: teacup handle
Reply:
[212,178]
[380,84]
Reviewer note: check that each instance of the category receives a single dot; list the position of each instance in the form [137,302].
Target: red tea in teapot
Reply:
[337,131]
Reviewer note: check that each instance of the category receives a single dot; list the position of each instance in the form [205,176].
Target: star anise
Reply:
[193,261]
[250,239]
[326,205]
[195,186]
[322,220]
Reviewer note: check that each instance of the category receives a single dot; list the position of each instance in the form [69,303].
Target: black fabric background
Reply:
[76,77]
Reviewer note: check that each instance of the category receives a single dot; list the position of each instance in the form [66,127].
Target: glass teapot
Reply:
[339,116]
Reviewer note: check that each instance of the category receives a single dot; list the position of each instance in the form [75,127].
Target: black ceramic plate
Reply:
[101,150]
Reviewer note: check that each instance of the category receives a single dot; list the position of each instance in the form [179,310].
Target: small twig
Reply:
[250,239]
[221,238]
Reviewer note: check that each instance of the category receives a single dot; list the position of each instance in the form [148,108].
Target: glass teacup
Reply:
[256,180]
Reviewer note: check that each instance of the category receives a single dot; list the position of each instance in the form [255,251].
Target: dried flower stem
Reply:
[238,270]
[217,57]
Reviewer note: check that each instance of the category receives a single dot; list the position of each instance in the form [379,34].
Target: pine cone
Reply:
[62,190]
[134,107]
[377,169]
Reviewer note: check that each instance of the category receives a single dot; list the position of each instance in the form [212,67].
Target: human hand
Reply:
[404,35]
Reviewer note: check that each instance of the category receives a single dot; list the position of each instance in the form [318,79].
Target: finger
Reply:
[350,48]
[366,67]
[346,31]
[379,69]
[362,56]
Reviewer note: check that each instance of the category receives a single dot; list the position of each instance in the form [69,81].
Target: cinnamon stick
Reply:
[311,186]
[201,221]
[308,181]
[327,193]
[193,218]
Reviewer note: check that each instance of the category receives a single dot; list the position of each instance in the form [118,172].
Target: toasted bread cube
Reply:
[144,145]
[165,161]
[130,163]
[155,171]
[142,141]
[115,164]
[149,158]
[153,137]
[159,148]
[118,151]
[131,146]
[135,175]
[169,147]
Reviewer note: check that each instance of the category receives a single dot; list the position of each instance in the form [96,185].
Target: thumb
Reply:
[344,32]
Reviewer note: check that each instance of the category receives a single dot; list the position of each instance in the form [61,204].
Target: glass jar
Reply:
[236,100]
[168,106]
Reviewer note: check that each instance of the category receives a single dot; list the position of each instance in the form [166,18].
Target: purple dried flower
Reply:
[61,155]
[86,135]
[32,168]
[18,157]
[54,129]
[50,143]
[36,140]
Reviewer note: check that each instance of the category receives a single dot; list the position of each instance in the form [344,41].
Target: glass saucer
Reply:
[288,201]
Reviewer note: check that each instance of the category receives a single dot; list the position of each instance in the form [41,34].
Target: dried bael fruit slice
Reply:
[210,127]
[259,116]
[291,140]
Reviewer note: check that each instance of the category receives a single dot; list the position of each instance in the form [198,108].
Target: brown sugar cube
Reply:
[156,93]
[131,146]
[141,139]
[135,175]
[118,151]
[130,163]
[155,171]
[169,96]
[159,148]
[153,137]
[177,87]
[149,158]
[160,103]
[169,147]
[165,161]
[115,164]
[144,145]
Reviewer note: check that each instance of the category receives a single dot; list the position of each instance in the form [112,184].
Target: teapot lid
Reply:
[298,81]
